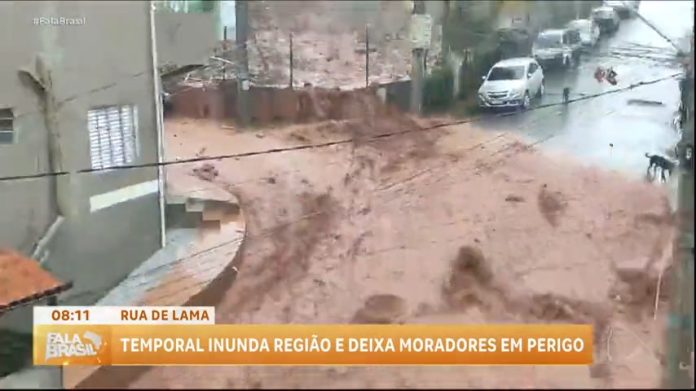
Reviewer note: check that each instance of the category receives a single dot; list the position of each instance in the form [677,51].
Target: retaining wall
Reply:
[286,105]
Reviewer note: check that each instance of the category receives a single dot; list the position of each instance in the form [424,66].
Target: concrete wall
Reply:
[26,206]
[185,38]
[105,61]
[285,105]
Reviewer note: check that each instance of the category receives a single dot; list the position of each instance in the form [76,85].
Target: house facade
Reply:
[78,93]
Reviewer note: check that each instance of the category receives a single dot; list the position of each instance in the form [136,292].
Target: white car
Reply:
[511,83]
[607,19]
[588,29]
[624,8]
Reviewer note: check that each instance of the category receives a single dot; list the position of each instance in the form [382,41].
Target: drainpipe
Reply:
[160,123]
[46,239]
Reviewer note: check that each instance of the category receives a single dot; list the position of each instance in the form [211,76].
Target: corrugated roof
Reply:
[23,280]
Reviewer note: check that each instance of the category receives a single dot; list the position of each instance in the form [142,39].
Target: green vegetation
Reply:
[438,91]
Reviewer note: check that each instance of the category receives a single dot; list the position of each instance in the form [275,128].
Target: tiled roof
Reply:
[23,280]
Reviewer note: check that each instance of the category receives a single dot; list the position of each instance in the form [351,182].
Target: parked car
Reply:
[512,83]
[514,42]
[625,9]
[557,47]
[607,19]
[588,29]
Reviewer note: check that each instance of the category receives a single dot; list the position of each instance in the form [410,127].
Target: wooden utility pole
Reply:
[680,329]
[243,82]
[417,66]
[655,29]
[292,59]
[367,57]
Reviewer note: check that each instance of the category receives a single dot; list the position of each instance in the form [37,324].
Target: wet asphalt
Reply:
[614,130]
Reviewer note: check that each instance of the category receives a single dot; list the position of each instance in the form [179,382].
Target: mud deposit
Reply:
[433,226]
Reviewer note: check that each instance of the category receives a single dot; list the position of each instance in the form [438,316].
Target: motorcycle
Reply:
[609,75]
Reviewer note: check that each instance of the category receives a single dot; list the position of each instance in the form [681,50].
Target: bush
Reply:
[438,90]
[471,73]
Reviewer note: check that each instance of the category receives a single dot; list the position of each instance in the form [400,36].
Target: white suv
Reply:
[557,47]
[512,83]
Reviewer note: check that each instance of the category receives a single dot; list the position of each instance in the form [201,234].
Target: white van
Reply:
[557,47]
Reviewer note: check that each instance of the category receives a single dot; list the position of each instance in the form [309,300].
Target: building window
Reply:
[112,135]
[7,134]
[186,6]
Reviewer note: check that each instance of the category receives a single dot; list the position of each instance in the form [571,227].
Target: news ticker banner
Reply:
[188,336]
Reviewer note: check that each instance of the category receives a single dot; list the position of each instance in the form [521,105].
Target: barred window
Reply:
[7,135]
[112,135]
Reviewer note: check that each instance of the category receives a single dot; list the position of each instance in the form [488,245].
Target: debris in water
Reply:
[206,172]
[644,102]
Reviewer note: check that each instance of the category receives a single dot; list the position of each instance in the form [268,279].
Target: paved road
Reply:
[586,129]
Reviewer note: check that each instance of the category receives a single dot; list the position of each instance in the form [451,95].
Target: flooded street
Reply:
[585,130]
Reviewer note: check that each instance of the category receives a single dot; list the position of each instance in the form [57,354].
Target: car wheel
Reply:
[526,101]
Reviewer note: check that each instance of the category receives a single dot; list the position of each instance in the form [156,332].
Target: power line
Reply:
[207,67]
[320,145]
[263,233]
[151,271]
[269,230]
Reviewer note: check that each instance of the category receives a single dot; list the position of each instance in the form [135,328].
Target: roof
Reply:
[23,280]
[514,61]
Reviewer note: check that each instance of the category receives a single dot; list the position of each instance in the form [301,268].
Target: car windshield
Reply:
[506,73]
[548,41]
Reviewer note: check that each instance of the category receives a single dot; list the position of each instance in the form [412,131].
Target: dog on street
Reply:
[661,162]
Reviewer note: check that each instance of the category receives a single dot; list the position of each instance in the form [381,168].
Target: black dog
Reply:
[657,161]
[566,94]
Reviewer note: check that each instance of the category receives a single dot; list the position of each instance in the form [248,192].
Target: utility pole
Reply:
[576,4]
[367,56]
[680,329]
[417,65]
[652,26]
[242,35]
